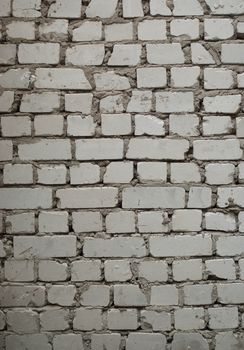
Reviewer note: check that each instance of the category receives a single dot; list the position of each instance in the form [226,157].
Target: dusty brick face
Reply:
[121,174]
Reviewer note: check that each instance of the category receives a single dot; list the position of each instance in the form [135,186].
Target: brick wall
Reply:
[121,174]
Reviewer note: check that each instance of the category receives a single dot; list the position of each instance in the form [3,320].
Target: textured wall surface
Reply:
[122,175]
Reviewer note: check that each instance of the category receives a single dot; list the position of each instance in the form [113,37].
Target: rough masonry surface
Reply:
[122,174]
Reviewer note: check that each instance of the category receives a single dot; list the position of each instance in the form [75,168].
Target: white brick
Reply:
[68,341]
[187,270]
[185,173]
[95,295]
[112,104]
[230,246]
[21,30]
[55,319]
[25,198]
[125,55]
[49,125]
[215,125]
[109,341]
[152,171]
[222,104]
[220,222]
[16,126]
[185,28]
[184,125]
[153,197]
[111,81]
[6,101]
[80,125]
[228,196]
[87,221]
[132,9]
[118,172]
[6,150]
[52,271]
[241,221]
[218,29]
[225,341]
[85,55]
[144,340]
[51,174]
[30,341]
[122,320]
[87,319]
[89,197]
[240,80]
[180,246]
[17,174]
[241,266]
[145,148]
[60,8]
[153,77]
[116,124]
[99,149]
[40,102]
[155,320]
[85,173]
[153,271]
[141,101]
[19,270]
[61,78]
[232,53]
[117,270]
[230,293]
[165,54]
[20,295]
[159,7]
[218,78]
[228,7]
[186,319]
[201,294]
[16,78]
[129,295]
[240,127]
[114,247]
[5,8]
[57,149]
[200,55]
[188,8]
[217,149]
[86,270]
[189,340]
[149,125]
[88,31]
[78,103]
[221,268]
[61,295]
[187,220]
[200,197]
[52,221]
[120,222]
[20,223]
[44,247]
[173,102]
[101,8]
[118,31]
[27,8]
[7,54]
[164,295]
[23,321]
[54,29]
[152,29]
[152,221]
[185,76]
[39,53]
